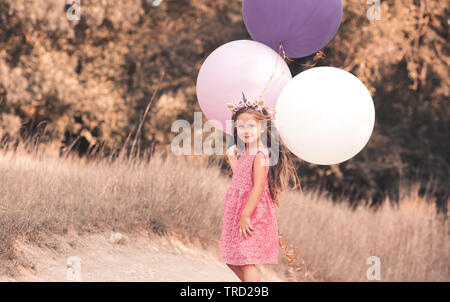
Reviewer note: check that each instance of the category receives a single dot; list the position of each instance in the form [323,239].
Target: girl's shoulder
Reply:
[264,150]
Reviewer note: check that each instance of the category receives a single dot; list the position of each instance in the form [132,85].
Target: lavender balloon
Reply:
[303,26]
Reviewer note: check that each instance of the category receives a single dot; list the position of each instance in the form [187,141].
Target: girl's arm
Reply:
[232,156]
[259,179]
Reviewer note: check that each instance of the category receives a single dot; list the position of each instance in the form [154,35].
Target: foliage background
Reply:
[84,85]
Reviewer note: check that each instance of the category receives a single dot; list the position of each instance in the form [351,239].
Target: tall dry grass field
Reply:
[410,239]
[40,194]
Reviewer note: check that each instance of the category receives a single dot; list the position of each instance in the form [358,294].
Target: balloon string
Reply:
[282,54]
[319,55]
[292,252]
[270,79]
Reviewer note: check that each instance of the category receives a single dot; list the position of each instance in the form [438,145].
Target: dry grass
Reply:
[172,194]
[411,239]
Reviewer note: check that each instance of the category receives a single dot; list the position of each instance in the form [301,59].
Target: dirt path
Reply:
[131,259]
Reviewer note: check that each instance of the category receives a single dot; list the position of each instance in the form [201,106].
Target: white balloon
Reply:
[325,115]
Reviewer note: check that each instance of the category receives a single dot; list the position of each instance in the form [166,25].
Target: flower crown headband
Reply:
[257,105]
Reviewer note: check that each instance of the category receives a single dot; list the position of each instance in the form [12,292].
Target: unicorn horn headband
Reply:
[258,105]
[234,107]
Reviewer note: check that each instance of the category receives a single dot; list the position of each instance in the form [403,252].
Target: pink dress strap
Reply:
[265,151]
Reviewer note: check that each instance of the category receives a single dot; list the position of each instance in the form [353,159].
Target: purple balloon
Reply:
[303,26]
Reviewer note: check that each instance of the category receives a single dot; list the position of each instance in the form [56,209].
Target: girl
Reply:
[250,231]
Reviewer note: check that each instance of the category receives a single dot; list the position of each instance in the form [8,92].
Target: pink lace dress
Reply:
[261,246]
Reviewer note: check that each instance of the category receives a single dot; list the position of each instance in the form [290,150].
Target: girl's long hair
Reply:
[281,172]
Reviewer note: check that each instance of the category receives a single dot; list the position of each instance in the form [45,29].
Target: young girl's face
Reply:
[248,128]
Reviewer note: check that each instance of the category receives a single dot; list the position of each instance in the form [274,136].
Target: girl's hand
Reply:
[232,151]
[231,156]
[245,226]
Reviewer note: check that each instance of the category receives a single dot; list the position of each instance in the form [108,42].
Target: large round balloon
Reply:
[237,67]
[325,115]
[303,26]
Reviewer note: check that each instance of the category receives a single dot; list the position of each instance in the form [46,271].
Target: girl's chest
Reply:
[243,161]
[243,167]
